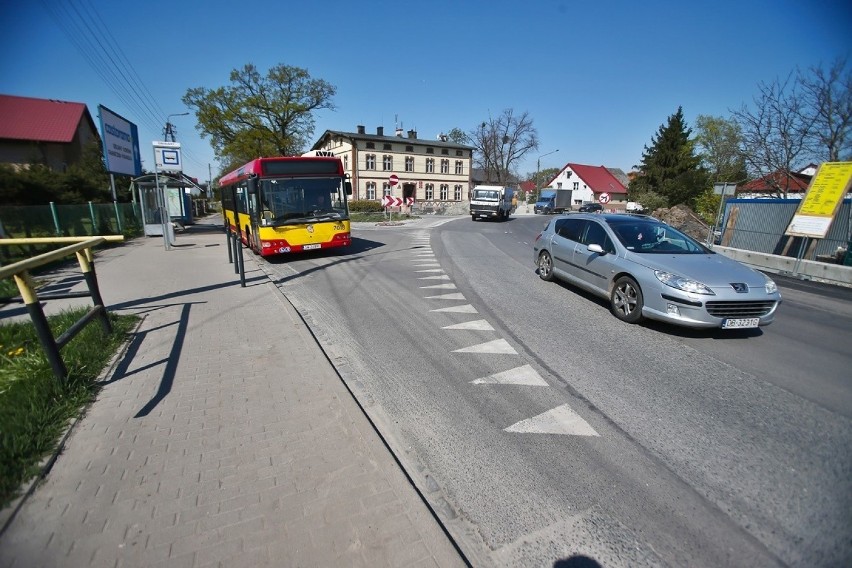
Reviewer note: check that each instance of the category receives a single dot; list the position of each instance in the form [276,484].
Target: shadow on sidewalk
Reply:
[122,370]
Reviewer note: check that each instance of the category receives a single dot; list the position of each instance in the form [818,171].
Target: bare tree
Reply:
[827,96]
[501,143]
[777,134]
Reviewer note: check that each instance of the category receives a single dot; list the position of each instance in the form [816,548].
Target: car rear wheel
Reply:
[626,300]
[545,266]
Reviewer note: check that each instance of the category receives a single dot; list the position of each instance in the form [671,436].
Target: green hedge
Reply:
[365,206]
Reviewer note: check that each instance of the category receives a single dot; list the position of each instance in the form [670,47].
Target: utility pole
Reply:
[169,130]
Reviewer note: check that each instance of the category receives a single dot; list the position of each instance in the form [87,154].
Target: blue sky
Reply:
[598,78]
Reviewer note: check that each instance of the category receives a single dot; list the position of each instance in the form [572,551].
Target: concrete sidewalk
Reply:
[222,437]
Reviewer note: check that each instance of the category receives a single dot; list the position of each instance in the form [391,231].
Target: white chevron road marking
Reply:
[449,286]
[525,376]
[498,346]
[478,325]
[461,309]
[456,296]
[441,277]
[560,420]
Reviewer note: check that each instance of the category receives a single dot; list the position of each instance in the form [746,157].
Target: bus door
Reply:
[254,213]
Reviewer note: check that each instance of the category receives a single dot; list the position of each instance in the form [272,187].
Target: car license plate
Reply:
[740,323]
[313,246]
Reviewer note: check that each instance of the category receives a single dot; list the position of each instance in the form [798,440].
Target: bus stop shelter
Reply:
[165,194]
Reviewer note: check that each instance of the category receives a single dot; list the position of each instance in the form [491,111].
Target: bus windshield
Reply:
[299,200]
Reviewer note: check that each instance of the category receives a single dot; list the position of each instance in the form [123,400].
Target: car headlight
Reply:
[682,283]
[771,286]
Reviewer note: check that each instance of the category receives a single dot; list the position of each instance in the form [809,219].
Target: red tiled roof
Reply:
[598,178]
[42,120]
[794,182]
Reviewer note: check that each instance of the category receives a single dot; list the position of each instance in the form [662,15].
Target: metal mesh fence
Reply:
[64,221]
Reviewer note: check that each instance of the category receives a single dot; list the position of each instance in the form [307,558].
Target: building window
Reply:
[409,148]
[346,161]
[459,167]
[576,185]
[457,193]
[387,147]
[370,162]
[371,190]
[445,192]
[430,192]
[445,166]
[371,145]
[430,165]
[459,153]
[430,150]
[409,163]
[445,152]
[387,163]
[386,188]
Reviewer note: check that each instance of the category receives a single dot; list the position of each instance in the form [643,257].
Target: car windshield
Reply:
[655,238]
[486,195]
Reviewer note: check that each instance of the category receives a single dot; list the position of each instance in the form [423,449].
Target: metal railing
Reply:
[20,272]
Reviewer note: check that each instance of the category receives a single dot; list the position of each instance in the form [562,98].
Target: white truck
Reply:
[491,202]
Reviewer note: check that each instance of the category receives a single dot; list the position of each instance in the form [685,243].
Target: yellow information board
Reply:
[822,200]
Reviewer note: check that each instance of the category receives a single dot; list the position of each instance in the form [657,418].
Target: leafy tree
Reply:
[500,143]
[718,141]
[259,115]
[37,184]
[827,104]
[670,167]
[458,136]
[540,179]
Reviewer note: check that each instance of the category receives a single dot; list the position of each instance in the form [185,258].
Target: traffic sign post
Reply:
[389,200]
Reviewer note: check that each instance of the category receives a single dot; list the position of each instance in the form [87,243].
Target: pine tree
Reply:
[670,167]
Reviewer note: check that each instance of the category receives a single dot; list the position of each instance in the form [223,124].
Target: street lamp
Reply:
[538,166]
[168,131]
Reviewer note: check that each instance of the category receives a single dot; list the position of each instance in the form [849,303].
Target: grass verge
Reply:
[35,409]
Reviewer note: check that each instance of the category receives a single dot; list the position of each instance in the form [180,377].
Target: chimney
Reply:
[380,131]
[412,134]
[361,129]
[399,132]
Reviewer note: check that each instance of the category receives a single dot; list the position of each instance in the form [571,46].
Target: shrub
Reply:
[365,206]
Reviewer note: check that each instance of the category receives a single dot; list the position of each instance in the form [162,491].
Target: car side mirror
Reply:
[347,186]
[596,248]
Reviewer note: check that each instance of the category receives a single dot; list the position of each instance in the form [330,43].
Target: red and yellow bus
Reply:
[288,204]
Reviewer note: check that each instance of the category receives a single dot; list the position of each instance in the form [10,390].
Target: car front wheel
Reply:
[626,300]
[545,266]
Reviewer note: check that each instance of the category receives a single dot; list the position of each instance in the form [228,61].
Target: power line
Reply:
[82,28]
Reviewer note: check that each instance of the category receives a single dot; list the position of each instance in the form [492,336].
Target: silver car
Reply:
[648,269]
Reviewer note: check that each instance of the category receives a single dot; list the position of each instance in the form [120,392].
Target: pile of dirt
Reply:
[684,219]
